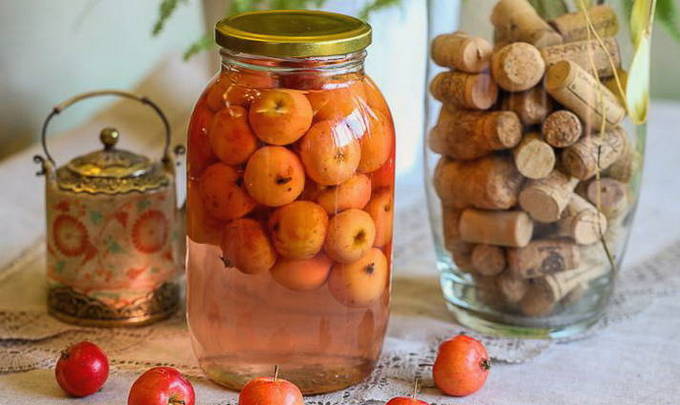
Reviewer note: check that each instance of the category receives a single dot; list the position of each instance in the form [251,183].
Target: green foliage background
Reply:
[667,13]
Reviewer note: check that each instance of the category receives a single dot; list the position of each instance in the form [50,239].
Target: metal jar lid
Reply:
[293,33]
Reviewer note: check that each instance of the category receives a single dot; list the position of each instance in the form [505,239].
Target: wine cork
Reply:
[450,224]
[512,288]
[562,128]
[545,199]
[465,90]
[491,182]
[541,257]
[627,165]
[534,158]
[581,159]
[535,303]
[579,91]
[587,54]
[488,292]
[518,21]
[582,222]
[488,260]
[531,106]
[461,253]
[502,228]
[545,292]
[574,26]
[462,52]
[609,196]
[472,134]
[517,67]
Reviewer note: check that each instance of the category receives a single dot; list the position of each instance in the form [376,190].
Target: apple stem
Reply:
[416,386]
[486,364]
[276,372]
[175,401]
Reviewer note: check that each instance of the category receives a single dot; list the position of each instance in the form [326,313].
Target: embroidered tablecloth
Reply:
[630,357]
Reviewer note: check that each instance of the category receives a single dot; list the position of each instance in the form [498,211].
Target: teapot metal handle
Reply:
[67,103]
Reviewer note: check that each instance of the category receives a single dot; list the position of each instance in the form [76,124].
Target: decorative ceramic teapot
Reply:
[113,240]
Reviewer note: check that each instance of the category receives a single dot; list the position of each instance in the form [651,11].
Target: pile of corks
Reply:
[534,164]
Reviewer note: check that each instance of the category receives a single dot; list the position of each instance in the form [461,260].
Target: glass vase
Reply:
[533,158]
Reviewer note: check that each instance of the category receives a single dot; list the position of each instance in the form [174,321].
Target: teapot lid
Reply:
[111,170]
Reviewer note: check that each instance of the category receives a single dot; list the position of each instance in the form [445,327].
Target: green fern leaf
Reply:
[165,11]
[202,44]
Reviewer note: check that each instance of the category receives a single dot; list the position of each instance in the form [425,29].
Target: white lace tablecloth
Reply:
[631,357]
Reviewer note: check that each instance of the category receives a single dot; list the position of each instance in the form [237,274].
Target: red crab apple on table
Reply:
[82,369]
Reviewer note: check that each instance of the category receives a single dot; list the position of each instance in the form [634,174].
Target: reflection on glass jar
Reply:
[290,202]
[533,160]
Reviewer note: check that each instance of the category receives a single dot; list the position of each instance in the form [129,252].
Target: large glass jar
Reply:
[290,203]
[532,158]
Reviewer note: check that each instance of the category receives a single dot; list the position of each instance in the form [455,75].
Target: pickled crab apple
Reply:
[304,274]
[236,88]
[274,176]
[336,104]
[298,229]
[222,195]
[270,391]
[245,246]
[161,386]
[376,143]
[280,117]
[230,136]
[330,153]
[352,193]
[351,234]
[360,283]
[381,210]
[461,367]
[82,369]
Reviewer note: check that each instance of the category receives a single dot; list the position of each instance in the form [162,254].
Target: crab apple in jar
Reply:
[376,143]
[161,386]
[355,192]
[461,367]
[351,234]
[274,176]
[380,208]
[362,282]
[221,193]
[82,369]
[374,98]
[201,227]
[236,88]
[245,246]
[330,153]
[230,136]
[200,154]
[280,116]
[335,105]
[270,391]
[298,229]
[304,274]
[384,176]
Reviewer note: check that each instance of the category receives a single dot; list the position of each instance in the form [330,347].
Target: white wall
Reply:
[50,50]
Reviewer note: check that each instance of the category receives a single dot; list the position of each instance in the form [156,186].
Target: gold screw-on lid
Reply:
[293,33]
